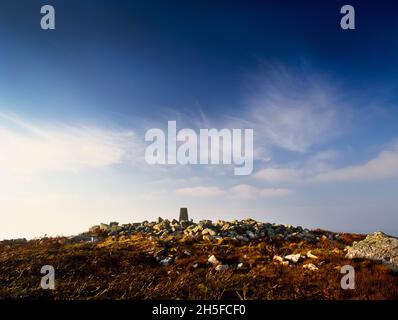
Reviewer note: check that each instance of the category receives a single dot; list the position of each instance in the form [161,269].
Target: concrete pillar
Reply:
[183,214]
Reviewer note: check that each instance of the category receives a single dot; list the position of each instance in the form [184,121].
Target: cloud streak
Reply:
[244,191]
[317,169]
[241,191]
[278,174]
[201,191]
[31,148]
[383,166]
[296,111]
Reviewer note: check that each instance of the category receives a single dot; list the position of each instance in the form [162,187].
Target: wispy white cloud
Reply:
[318,168]
[294,110]
[240,191]
[30,148]
[245,191]
[383,166]
[275,192]
[299,171]
[201,191]
[278,174]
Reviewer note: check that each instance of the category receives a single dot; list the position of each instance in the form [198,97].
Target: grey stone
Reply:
[222,267]
[205,223]
[94,229]
[250,234]
[242,238]
[376,246]
[167,261]
[310,266]
[81,238]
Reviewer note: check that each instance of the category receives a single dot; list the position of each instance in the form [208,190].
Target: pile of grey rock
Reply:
[376,246]
[244,230]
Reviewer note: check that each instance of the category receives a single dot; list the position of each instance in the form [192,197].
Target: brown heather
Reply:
[125,268]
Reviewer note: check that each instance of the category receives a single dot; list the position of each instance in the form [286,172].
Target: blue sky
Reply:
[75,104]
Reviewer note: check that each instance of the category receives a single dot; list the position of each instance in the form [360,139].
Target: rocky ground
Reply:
[205,260]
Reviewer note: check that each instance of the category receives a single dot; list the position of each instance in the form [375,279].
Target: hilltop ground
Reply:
[176,265]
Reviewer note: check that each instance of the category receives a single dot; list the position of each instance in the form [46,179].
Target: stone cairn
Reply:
[244,230]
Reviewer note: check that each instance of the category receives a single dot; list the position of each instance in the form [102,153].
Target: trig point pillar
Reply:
[183,214]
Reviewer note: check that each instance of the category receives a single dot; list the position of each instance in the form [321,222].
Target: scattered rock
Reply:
[278,258]
[222,267]
[81,238]
[167,261]
[213,260]
[311,256]
[310,266]
[293,257]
